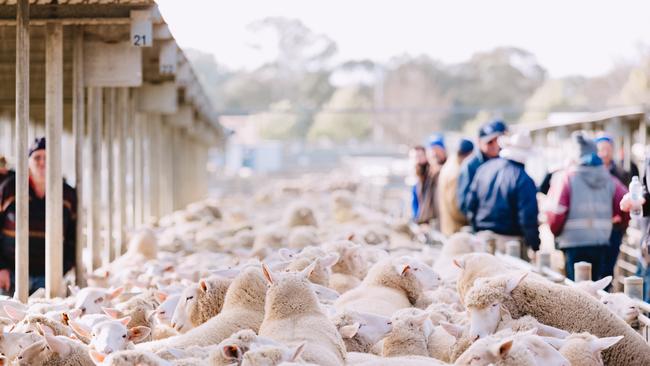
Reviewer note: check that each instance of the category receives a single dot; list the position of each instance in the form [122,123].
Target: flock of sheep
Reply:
[266,279]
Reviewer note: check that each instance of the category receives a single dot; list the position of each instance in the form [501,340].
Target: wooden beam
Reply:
[137,169]
[94,185]
[154,165]
[54,177]
[22,122]
[78,127]
[71,21]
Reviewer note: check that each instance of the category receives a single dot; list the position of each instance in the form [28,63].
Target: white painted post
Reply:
[633,287]
[78,124]
[108,135]
[122,116]
[54,178]
[94,130]
[582,271]
[137,171]
[22,123]
[154,165]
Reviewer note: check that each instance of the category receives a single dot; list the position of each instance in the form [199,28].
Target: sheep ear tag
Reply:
[514,281]
[139,333]
[58,346]
[402,269]
[298,351]
[600,344]
[267,274]
[459,263]
[349,331]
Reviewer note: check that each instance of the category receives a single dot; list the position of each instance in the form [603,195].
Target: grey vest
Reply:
[589,222]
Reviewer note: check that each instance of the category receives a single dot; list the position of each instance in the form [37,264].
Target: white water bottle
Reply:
[636,196]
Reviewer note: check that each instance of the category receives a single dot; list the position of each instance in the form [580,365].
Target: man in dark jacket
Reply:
[586,206]
[502,196]
[488,149]
[36,160]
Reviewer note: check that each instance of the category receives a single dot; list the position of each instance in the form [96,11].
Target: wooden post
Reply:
[627,146]
[543,259]
[633,287]
[137,169]
[94,130]
[78,124]
[54,178]
[109,122]
[22,122]
[582,271]
[513,248]
[154,165]
[122,116]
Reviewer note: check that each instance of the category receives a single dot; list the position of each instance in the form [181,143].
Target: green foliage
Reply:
[343,117]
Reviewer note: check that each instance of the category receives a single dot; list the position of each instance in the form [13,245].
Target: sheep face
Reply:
[622,306]
[484,303]
[272,355]
[166,310]
[180,318]
[12,343]
[41,352]
[426,277]
[485,352]
[90,300]
[111,336]
[583,348]
[368,327]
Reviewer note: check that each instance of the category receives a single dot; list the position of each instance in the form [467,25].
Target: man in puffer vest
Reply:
[585,206]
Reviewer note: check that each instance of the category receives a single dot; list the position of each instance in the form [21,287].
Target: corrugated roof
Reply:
[80,2]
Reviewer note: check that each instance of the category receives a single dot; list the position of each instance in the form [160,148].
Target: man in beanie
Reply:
[488,149]
[37,157]
[451,219]
[502,197]
[425,190]
[585,206]
[437,150]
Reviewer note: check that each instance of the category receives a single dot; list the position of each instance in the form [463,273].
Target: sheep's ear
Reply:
[420,319]
[453,329]
[98,358]
[600,344]
[124,320]
[58,346]
[80,329]
[139,333]
[351,237]
[45,329]
[552,331]
[15,314]
[268,274]
[113,313]
[176,353]
[298,351]
[231,351]
[329,260]
[74,290]
[286,254]
[402,268]
[305,273]
[115,293]
[203,285]
[349,331]
[514,281]
[602,283]
[502,348]
[460,263]
[161,296]
[556,343]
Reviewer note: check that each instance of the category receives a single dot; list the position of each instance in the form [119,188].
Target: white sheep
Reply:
[292,314]
[111,335]
[55,351]
[199,302]
[583,349]
[91,300]
[592,287]
[622,306]
[361,331]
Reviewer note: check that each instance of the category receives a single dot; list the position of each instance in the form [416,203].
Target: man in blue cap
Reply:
[488,149]
[426,191]
[437,150]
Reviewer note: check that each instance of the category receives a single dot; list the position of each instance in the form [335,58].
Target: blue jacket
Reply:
[467,172]
[502,199]
[415,205]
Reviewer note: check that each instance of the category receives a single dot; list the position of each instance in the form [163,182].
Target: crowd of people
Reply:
[586,203]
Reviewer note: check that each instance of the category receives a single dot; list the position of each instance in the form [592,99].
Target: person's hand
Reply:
[532,255]
[627,204]
[5,279]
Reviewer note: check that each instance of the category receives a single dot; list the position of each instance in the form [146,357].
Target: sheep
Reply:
[390,285]
[301,237]
[90,300]
[243,308]
[292,314]
[555,305]
[165,310]
[200,302]
[477,265]
[11,343]
[299,214]
[364,359]
[622,306]
[128,358]
[111,335]
[321,273]
[409,334]
[583,349]
[592,287]
[272,355]
[453,248]
[360,331]
[350,268]
[55,351]
[30,322]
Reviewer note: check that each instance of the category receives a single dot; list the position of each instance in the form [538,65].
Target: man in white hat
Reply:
[502,197]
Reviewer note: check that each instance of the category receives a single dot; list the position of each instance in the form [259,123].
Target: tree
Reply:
[344,117]
[278,123]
